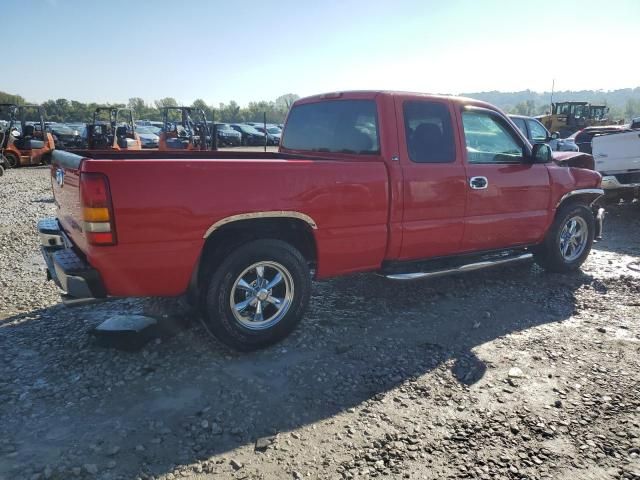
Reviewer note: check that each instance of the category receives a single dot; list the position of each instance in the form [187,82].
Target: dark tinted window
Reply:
[521,126]
[340,126]
[429,132]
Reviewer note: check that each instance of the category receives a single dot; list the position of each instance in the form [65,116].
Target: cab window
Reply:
[489,140]
[340,126]
[521,126]
[539,134]
[429,132]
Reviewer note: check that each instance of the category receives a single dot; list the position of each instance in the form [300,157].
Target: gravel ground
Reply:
[503,374]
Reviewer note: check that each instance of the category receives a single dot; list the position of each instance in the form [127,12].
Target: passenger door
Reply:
[507,195]
[434,187]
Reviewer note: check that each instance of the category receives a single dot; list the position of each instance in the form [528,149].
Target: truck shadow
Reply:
[184,400]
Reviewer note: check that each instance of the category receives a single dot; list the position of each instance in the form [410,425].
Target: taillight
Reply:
[97,209]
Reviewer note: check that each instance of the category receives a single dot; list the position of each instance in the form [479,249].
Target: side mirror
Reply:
[541,153]
[555,135]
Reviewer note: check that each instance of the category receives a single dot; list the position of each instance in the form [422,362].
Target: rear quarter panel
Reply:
[164,208]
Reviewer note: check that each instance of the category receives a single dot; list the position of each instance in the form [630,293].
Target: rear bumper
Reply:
[71,273]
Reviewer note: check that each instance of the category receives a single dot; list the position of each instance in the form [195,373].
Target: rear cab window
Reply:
[334,126]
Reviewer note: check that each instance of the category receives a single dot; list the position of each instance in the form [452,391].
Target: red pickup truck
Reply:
[406,185]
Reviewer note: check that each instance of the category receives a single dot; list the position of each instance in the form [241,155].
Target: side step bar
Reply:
[469,267]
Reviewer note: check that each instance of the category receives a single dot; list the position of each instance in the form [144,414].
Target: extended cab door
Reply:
[434,185]
[507,195]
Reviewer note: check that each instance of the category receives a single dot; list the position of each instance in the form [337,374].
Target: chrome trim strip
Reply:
[461,269]
[268,214]
[581,191]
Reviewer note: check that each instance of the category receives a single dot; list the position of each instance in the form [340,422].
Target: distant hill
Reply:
[617,100]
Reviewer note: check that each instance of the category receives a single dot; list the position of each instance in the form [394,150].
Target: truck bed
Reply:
[165,204]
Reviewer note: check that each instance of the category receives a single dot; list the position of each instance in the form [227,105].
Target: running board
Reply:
[469,267]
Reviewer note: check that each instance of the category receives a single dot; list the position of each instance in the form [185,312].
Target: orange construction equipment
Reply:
[23,138]
[184,128]
[112,129]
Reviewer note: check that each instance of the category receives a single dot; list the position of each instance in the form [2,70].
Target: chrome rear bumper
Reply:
[70,272]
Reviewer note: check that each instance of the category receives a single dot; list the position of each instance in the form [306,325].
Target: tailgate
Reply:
[65,180]
[617,152]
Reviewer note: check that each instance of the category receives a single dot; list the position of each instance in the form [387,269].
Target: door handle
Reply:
[478,183]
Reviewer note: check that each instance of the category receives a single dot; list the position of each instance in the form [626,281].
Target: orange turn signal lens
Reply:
[96,214]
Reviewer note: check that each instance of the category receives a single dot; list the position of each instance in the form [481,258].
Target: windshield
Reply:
[148,130]
[223,126]
[342,126]
[248,129]
[274,130]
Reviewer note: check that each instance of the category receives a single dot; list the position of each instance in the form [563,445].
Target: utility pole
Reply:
[553,84]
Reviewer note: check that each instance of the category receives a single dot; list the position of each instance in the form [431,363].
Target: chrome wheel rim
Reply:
[573,238]
[261,295]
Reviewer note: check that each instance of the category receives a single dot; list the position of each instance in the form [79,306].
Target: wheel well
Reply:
[586,199]
[228,237]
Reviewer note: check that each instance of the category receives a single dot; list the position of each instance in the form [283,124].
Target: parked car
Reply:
[65,136]
[148,137]
[249,135]
[273,134]
[617,158]
[424,193]
[227,136]
[537,133]
[76,126]
[582,138]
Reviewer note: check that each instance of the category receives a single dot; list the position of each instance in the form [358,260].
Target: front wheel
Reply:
[257,295]
[568,241]
[12,160]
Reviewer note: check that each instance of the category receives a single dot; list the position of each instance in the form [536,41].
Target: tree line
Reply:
[623,104]
[63,110]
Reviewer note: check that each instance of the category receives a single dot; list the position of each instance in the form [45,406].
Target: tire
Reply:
[574,222]
[12,160]
[1,170]
[244,330]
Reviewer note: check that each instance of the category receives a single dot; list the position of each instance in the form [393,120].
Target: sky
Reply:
[222,50]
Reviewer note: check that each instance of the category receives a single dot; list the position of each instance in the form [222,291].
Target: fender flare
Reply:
[591,194]
[256,215]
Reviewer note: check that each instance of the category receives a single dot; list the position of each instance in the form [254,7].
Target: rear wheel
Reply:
[257,295]
[568,241]
[12,160]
